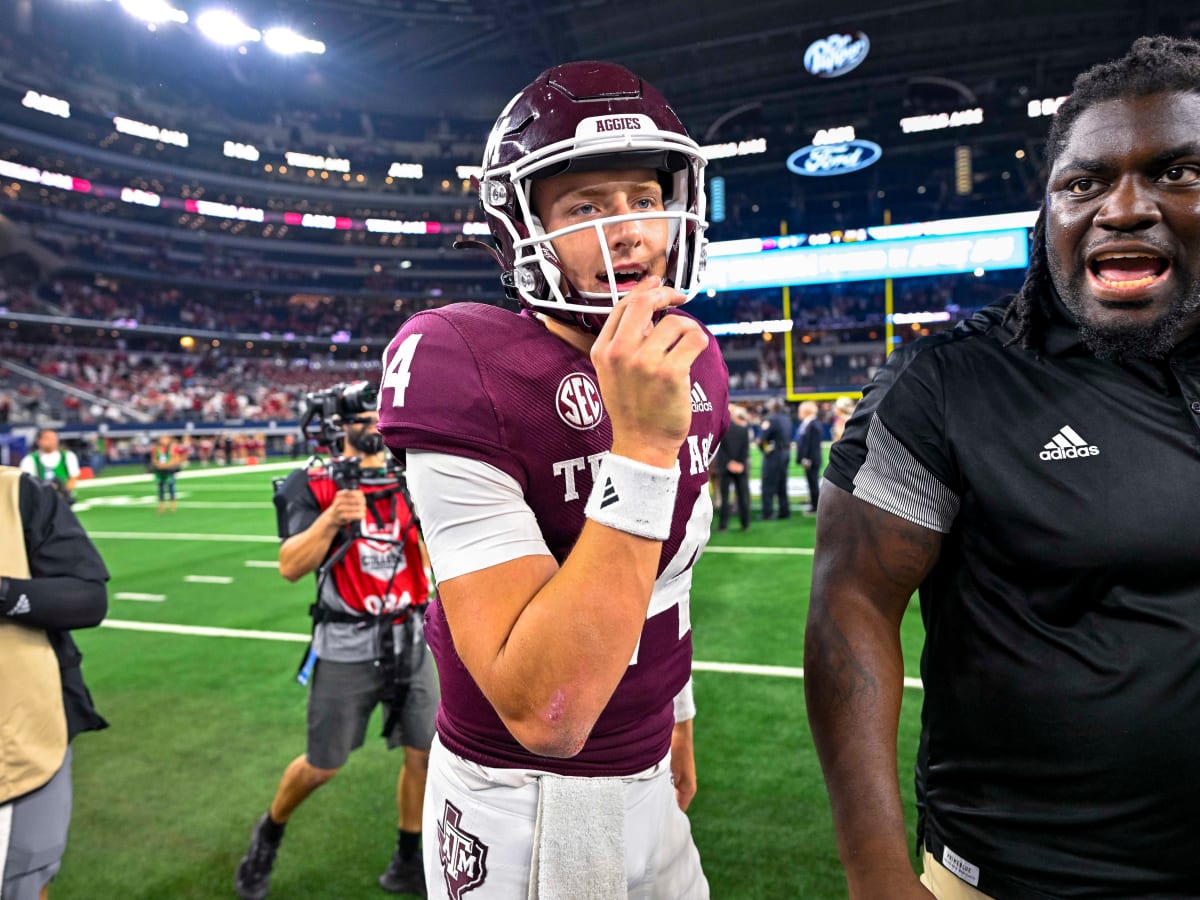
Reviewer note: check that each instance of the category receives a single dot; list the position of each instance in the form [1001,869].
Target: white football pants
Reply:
[478,833]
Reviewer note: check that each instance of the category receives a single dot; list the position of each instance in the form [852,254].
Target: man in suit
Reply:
[808,450]
[775,441]
[733,467]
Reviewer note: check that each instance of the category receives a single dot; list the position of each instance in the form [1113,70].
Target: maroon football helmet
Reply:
[579,117]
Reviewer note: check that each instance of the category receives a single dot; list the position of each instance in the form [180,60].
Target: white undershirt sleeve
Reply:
[472,514]
[685,703]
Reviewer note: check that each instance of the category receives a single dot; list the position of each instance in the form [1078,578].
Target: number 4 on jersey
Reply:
[396,372]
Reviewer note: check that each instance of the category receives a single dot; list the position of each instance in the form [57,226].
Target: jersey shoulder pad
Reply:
[436,392]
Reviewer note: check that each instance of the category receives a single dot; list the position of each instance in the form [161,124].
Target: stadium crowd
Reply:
[838,342]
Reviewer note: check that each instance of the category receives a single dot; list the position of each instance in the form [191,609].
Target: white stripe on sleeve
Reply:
[473,515]
[894,480]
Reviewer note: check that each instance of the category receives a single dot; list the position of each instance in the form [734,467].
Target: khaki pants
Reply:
[945,885]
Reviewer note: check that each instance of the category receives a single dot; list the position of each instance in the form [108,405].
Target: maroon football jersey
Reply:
[483,383]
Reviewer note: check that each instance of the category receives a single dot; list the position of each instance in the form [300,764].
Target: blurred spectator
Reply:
[51,580]
[51,464]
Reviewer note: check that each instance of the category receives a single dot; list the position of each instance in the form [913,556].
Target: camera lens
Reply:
[359,397]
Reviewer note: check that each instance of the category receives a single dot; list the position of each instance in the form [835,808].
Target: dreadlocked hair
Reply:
[1153,65]
[1027,313]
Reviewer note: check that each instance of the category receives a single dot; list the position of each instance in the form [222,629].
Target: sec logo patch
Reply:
[578,401]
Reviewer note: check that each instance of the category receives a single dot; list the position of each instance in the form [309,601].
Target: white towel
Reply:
[579,840]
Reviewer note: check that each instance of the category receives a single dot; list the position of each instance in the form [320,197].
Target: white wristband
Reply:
[634,497]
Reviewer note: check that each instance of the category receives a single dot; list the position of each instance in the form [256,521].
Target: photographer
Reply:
[352,524]
[49,463]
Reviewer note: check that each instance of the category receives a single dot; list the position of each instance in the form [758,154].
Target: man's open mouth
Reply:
[626,277]
[1128,270]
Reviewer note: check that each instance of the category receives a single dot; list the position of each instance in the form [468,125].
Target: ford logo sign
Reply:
[836,55]
[834,159]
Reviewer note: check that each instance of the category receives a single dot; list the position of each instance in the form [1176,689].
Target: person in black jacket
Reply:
[775,441]
[54,583]
[733,467]
[808,450]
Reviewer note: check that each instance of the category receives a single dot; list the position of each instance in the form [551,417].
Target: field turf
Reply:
[204,724]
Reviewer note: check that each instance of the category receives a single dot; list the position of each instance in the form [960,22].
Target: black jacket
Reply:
[735,447]
[66,590]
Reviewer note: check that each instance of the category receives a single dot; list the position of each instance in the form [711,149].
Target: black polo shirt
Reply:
[1061,740]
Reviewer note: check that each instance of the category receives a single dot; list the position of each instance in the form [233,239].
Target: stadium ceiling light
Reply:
[224,28]
[154,11]
[287,42]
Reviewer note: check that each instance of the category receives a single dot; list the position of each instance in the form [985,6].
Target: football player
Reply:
[559,459]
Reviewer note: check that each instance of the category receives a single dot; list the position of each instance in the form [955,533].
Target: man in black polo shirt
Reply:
[1035,472]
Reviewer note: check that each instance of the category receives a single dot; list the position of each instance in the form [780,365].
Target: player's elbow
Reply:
[552,726]
[557,740]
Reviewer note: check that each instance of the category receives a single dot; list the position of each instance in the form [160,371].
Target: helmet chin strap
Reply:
[472,244]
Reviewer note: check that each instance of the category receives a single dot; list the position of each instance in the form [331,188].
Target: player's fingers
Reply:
[678,338]
[637,321]
[613,322]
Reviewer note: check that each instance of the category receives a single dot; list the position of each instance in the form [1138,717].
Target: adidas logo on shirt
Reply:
[1067,444]
[700,401]
[21,607]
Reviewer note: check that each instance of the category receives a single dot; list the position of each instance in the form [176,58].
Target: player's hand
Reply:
[645,373]
[347,507]
[683,764]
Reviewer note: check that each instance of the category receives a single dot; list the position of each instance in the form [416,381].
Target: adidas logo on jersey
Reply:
[21,607]
[1067,444]
[700,401]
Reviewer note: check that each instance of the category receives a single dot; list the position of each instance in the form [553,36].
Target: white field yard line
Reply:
[145,598]
[232,504]
[183,498]
[195,488]
[208,579]
[205,631]
[262,564]
[267,539]
[780,551]
[184,536]
[187,474]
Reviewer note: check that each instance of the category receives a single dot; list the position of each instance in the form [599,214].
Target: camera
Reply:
[334,407]
[326,412]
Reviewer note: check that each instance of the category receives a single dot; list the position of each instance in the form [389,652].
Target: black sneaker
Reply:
[253,877]
[404,876]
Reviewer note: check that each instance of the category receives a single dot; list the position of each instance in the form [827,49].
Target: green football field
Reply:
[194,670]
